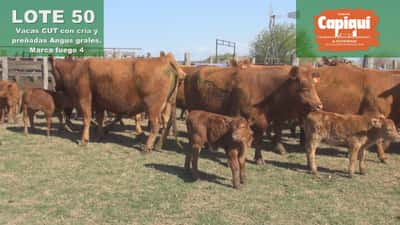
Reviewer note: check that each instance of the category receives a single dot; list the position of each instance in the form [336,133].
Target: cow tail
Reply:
[172,100]
[19,104]
[20,108]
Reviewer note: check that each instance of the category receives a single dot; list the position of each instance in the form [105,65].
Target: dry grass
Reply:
[53,181]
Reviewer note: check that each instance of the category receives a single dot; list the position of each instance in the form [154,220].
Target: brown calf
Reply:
[48,102]
[231,133]
[354,131]
[9,100]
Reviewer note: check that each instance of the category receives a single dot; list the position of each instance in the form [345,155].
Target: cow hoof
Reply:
[280,149]
[82,144]
[158,146]
[68,129]
[260,162]
[383,160]
[316,174]
[146,150]
[237,186]
[243,180]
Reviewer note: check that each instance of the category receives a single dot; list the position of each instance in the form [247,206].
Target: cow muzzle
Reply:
[316,107]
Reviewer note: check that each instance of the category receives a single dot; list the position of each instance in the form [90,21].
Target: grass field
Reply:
[53,181]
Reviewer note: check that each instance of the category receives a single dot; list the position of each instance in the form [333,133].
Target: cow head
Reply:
[387,128]
[61,69]
[241,131]
[5,89]
[303,81]
[56,73]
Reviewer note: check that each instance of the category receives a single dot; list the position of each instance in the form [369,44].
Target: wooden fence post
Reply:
[187,61]
[4,66]
[45,73]
[371,63]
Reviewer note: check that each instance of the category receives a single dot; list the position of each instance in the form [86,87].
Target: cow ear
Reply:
[316,77]
[294,72]
[376,122]
[162,54]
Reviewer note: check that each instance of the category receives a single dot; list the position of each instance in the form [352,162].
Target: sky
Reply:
[187,26]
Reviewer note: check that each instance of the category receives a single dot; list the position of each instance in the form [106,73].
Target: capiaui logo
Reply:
[346,30]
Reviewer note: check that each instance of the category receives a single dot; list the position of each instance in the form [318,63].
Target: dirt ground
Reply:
[53,181]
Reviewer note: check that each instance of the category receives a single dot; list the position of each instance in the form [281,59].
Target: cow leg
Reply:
[302,137]
[311,148]
[182,115]
[60,118]
[277,140]
[10,112]
[257,142]
[167,122]
[188,159]
[68,124]
[293,127]
[48,119]
[195,159]
[242,164]
[361,157]
[138,124]
[99,127]
[121,122]
[31,115]
[259,128]
[3,114]
[155,128]
[353,154]
[117,119]
[15,110]
[381,146]
[86,107]
[233,163]
[25,119]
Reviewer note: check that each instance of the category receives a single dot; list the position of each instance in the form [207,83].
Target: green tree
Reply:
[282,36]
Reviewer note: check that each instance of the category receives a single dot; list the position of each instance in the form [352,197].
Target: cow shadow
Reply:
[122,128]
[394,148]
[304,168]
[267,145]
[41,130]
[185,175]
[170,145]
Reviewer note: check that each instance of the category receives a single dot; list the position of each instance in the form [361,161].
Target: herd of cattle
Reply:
[229,107]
